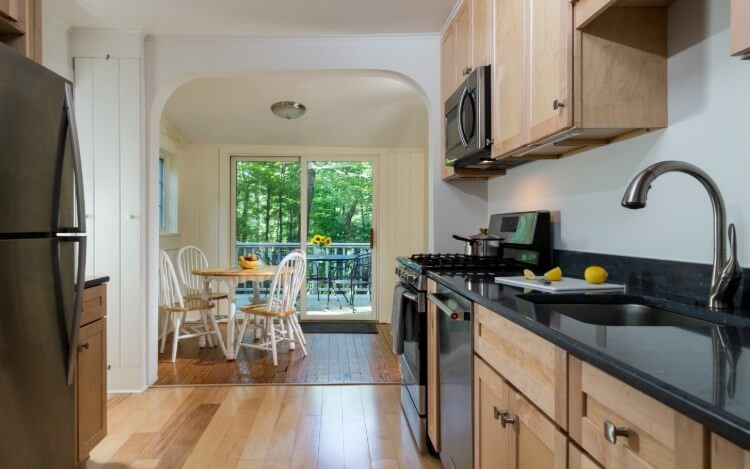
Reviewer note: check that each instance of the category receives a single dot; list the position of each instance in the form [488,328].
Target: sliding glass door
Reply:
[323,206]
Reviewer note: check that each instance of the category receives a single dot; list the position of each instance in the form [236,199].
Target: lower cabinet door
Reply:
[577,459]
[91,387]
[535,442]
[491,437]
[727,455]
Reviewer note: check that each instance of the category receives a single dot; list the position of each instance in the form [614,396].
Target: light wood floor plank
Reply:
[306,427]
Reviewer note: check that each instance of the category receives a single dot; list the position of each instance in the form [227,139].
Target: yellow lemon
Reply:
[528,274]
[554,275]
[595,274]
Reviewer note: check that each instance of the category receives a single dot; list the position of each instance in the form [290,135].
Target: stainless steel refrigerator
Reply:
[42,264]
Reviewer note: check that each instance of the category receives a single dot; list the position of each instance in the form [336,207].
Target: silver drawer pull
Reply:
[507,419]
[499,413]
[611,432]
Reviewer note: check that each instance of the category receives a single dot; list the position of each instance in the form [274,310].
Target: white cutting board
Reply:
[566,285]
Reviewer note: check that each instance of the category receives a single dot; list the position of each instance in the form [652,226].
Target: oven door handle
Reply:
[416,298]
[447,310]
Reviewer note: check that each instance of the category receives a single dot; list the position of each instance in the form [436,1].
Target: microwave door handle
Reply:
[461,130]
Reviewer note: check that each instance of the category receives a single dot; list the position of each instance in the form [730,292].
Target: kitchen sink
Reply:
[614,310]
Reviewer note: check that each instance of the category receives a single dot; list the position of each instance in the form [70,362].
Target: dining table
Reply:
[231,277]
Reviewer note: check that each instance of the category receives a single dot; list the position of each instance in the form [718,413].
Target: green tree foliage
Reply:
[268,201]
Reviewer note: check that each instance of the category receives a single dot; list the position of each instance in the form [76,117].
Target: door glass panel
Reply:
[339,222]
[267,214]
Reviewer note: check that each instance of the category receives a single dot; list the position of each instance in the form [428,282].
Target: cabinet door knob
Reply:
[499,413]
[611,432]
[83,346]
[557,104]
[467,71]
[507,418]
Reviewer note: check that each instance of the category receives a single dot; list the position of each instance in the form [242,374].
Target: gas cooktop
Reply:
[459,262]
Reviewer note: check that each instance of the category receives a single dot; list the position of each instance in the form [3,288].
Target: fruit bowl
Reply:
[247,265]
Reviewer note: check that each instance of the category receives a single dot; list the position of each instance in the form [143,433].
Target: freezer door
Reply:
[36,157]
[36,403]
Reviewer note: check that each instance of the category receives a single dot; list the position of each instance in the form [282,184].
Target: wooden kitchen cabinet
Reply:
[91,373]
[740,35]
[21,26]
[726,455]
[508,78]
[592,86]
[650,434]
[511,433]
[550,62]
[433,370]
[491,399]
[577,459]
[535,367]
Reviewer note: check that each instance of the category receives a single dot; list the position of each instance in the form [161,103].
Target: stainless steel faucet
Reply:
[725,278]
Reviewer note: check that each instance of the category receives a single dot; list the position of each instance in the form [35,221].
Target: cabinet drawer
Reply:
[726,455]
[656,436]
[94,304]
[537,368]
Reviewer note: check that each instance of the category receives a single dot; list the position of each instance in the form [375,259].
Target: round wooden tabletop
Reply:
[259,272]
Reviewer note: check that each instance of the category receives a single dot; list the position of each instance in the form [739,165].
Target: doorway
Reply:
[324,206]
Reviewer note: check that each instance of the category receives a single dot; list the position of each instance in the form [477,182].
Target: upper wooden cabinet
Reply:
[550,64]
[566,76]
[587,87]
[741,28]
[21,26]
[508,77]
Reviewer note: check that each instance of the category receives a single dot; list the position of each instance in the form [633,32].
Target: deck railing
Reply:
[273,253]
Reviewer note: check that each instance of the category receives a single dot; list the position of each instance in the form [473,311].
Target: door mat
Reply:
[341,327]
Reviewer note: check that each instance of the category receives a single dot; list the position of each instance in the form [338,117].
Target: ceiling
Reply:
[343,109]
[256,17]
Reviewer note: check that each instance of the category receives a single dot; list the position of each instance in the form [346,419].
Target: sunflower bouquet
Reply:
[321,240]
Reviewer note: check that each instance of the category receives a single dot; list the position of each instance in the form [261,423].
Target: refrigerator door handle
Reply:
[77,308]
[77,165]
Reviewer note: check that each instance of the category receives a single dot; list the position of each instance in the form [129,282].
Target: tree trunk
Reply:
[268,212]
[280,227]
[311,174]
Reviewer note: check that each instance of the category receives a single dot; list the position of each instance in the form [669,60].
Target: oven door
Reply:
[467,120]
[414,359]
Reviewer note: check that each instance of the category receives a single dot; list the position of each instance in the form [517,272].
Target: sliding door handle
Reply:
[372,238]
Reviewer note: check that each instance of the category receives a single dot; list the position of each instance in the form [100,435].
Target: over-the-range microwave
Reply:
[467,120]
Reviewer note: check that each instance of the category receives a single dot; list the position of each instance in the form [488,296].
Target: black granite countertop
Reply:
[700,369]
[96,280]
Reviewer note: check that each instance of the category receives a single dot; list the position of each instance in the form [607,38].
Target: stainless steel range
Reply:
[526,243]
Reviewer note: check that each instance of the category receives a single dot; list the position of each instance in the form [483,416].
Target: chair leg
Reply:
[176,325]
[164,330]
[273,343]
[205,338]
[217,332]
[298,329]
[292,334]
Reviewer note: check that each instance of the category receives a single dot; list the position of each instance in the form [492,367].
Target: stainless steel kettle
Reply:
[482,244]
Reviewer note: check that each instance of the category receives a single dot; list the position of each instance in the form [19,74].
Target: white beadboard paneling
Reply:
[106,137]
[84,108]
[110,122]
[131,319]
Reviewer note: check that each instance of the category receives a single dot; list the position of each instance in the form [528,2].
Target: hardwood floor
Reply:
[259,427]
[332,359]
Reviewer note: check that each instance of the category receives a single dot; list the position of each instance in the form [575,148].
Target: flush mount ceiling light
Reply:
[288,109]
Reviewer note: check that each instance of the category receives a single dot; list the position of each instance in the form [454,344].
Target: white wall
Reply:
[56,45]
[172,147]
[709,98]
